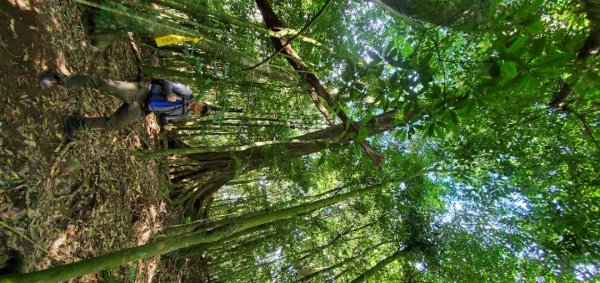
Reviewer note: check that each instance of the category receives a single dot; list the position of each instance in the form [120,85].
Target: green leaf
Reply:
[408,107]
[517,45]
[555,59]
[468,108]
[547,72]
[390,56]
[394,78]
[400,63]
[388,50]
[384,105]
[508,68]
[411,131]
[374,63]
[430,130]
[453,117]
[451,128]
[362,133]
[426,76]
[537,46]
[347,74]
[398,102]
[440,131]
[489,84]
[534,26]
[527,82]
[424,61]
[322,159]
[225,71]
[373,55]
[400,134]
[380,70]
[494,70]
[199,66]
[435,91]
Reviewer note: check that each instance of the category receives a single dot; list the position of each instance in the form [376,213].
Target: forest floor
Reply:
[63,202]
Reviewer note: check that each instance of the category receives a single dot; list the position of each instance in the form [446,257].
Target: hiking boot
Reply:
[50,78]
[71,125]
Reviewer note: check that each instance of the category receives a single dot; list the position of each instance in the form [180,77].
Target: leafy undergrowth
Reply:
[60,202]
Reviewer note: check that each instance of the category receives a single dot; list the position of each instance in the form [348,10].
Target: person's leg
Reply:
[125,115]
[127,91]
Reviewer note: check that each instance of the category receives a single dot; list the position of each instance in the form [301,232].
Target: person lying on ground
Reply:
[170,101]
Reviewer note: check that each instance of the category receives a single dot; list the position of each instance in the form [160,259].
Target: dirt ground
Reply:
[60,202]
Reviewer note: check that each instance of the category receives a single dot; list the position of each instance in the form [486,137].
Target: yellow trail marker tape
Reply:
[173,39]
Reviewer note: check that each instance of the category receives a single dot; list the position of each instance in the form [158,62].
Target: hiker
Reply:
[170,101]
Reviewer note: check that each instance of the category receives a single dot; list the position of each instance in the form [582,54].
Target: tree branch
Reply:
[586,127]
[312,21]
[281,44]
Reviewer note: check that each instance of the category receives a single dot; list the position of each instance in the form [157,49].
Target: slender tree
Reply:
[163,246]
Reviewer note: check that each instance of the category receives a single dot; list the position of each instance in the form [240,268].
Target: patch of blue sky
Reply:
[586,272]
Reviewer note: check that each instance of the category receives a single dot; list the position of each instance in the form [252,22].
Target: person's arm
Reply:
[182,90]
[165,121]
[175,91]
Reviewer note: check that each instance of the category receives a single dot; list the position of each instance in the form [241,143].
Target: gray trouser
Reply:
[133,96]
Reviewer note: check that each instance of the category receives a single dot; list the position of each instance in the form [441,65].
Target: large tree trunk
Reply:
[211,168]
[253,158]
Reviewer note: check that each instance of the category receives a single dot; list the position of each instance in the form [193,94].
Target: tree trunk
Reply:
[439,12]
[380,266]
[342,263]
[298,146]
[592,44]
[213,167]
[590,47]
[225,242]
